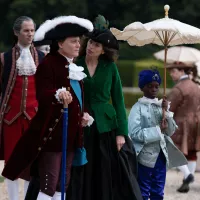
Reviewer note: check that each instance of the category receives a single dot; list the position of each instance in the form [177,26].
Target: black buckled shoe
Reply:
[185,185]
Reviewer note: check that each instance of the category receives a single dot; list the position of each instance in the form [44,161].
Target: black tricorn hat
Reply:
[62,27]
[104,37]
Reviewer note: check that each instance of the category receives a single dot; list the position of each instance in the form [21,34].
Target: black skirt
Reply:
[109,174]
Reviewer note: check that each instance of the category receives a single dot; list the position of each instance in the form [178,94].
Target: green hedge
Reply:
[131,98]
[126,71]
[127,52]
[129,70]
[1,179]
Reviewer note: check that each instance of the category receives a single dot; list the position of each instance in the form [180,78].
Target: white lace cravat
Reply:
[75,72]
[25,63]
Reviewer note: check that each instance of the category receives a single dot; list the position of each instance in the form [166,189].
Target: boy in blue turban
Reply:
[150,135]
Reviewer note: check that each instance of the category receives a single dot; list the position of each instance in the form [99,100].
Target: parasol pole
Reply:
[166,40]
[165,79]
[165,72]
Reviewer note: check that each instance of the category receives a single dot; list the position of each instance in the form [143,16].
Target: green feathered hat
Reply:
[102,34]
[101,23]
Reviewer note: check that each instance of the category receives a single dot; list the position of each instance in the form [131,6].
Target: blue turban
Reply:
[148,76]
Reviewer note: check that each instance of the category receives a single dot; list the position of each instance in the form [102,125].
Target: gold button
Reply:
[78,106]
[50,129]
[56,120]
[66,66]
[62,111]
[39,148]
[44,138]
[68,77]
[50,138]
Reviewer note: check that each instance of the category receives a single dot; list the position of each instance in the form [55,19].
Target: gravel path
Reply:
[174,180]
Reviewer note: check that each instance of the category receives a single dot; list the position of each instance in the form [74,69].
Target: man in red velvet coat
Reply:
[58,82]
[18,100]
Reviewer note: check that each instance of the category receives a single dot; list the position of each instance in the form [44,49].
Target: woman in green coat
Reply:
[111,168]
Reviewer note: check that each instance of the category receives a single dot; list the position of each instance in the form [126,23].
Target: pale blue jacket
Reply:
[144,129]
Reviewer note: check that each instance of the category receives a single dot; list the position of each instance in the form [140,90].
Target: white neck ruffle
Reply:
[25,63]
[148,101]
[76,72]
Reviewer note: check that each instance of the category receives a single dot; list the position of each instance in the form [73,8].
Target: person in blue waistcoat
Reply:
[150,134]
[58,82]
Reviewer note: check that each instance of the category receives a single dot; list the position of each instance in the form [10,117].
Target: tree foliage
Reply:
[118,12]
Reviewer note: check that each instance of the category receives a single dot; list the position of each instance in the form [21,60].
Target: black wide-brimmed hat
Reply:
[104,37]
[102,34]
[42,42]
[62,27]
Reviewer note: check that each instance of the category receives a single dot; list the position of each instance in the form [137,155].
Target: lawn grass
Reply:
[1,179]
[127,111]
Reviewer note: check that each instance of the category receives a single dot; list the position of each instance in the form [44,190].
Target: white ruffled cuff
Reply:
[169,114]
[169,104]
[89,118]
[90,121]
[58,92]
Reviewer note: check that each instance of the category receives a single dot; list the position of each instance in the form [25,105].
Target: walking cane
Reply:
[64,151]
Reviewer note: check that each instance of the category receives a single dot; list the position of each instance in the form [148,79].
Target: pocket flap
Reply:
[7,109]
[110,112]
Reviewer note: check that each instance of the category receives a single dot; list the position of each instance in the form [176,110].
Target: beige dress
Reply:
[185,103]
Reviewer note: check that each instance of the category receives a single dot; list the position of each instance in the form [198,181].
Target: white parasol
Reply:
[165,31]
[186,55]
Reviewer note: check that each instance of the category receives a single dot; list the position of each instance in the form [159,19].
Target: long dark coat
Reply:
[45,132]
